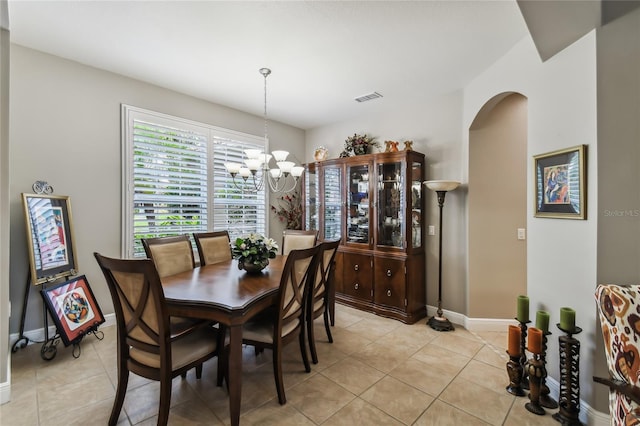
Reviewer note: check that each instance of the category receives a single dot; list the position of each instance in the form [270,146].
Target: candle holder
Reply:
[545,400]
[515,371]
[524,383]
[569,400]
[535,369]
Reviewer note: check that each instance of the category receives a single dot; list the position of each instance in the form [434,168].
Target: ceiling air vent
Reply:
[370,96]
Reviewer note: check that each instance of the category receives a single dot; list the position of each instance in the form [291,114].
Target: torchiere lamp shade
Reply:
[441,185]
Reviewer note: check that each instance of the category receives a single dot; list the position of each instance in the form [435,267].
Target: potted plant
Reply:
[358,145]
[289,211]
[253,252]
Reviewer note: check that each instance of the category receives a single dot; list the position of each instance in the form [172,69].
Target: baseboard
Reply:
[5,387]
[588,415]
[37,335]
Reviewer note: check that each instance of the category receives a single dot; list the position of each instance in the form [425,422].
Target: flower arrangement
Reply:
[254,249]
[358,145]
[289,210]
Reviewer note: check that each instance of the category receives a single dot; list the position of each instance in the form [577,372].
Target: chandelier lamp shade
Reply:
[441,187]
[256,171]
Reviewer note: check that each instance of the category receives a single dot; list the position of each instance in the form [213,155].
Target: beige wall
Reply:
[561,104]
[4,211]
[65,129]
[618,175]
[497,208]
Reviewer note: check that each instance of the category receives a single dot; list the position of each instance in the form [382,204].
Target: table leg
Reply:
[235,373]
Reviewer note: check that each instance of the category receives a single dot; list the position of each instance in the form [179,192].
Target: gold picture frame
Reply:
[52,253]
[560,180]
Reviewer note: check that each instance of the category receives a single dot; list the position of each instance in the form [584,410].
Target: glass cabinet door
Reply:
[391,205]
[415,200]
[359,204]
[311,198]
[333,197]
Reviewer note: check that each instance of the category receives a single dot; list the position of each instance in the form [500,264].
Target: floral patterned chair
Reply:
[619,312]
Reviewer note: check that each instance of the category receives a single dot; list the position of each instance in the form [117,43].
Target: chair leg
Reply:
[277,374]
[183,375]
[123,380]
[199,371]
[303,349]
[165,400]
[312,339]
[326,325]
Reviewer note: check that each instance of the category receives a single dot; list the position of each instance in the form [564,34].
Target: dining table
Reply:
[224,293]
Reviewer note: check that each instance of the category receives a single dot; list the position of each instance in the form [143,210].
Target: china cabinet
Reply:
[374,204]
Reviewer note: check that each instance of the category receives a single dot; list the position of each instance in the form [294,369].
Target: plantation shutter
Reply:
[175,182]
[169,181]
[240,212]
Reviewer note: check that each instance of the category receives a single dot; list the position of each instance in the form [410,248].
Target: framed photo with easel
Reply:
[560,183]
[73,308]
[50,239]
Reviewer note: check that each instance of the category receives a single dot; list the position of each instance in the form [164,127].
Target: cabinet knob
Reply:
[389,293]
[356,286]
[356,268]
[388,272]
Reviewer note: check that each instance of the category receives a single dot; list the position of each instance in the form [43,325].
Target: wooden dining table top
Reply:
[221,291]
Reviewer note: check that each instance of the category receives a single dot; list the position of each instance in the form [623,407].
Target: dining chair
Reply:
[279,325]
[619,322]
[171,255]
[213,247]
[295,239]
[149,343]
[318,301]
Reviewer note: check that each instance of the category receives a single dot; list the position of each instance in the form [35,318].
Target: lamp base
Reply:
[440,324]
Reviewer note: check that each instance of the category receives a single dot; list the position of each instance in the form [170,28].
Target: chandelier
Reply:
[256,172]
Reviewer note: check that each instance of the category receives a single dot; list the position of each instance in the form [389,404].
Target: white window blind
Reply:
[175,181]
[237,211]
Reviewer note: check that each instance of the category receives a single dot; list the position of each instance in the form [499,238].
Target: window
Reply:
[175,181]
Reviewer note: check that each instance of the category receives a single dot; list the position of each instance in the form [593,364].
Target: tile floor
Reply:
[377,372]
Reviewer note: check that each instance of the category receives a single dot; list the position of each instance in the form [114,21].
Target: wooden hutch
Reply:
[374,204]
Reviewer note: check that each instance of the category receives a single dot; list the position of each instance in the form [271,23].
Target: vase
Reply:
[360,150]
[252,268]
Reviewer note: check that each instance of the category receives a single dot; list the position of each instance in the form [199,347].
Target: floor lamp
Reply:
[439,322]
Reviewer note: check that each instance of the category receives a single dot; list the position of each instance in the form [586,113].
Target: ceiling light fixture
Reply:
[255,171]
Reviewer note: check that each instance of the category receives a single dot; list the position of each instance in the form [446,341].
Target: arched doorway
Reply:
[497,207]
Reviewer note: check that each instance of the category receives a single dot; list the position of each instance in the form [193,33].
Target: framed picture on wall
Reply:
[560,183]
[73,308]
[50,237]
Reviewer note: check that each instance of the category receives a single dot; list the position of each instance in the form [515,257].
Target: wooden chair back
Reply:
[323,286]
[293,239]
[213,247]
[148,344]
[171,255]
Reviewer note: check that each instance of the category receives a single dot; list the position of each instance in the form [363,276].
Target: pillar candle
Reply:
[567,319]
[535,340]
[523,309]
[515,334]
[542,321]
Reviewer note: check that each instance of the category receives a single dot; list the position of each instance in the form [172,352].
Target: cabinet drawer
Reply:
[390,282]
[357,275]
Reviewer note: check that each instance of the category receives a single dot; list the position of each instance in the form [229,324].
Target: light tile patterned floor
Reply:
[377,372]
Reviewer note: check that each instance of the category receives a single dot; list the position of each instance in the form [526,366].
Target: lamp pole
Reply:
[438,321]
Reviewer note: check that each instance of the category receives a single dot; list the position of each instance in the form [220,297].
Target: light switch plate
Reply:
[432,230]
[522,234]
